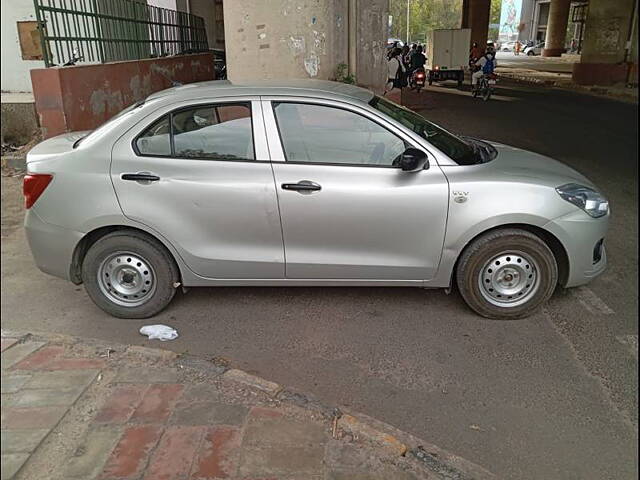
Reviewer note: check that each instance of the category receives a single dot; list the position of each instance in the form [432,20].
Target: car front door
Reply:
[200,176]
[348,211]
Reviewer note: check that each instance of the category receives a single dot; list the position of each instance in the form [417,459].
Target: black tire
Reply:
[530,53]
[486,95]
[482,250]
[165,272]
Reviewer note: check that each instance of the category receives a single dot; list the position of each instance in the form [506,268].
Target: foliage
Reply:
[428,15]
[343,75]
[424,16]
[494,18]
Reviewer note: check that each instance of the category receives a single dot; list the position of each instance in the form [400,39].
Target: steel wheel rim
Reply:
[127,279]
[509,279]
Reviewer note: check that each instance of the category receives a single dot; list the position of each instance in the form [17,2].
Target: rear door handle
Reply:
[140,177]
[302,186]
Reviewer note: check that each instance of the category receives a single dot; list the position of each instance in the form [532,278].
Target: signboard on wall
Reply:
[510,18]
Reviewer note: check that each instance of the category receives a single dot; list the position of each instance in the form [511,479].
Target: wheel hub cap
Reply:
[126,279]
[509,279]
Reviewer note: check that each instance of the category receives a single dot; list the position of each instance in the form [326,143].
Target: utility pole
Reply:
[408,21]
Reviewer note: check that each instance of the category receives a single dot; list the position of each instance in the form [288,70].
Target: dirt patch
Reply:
[12,204]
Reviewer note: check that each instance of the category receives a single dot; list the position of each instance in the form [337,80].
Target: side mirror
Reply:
[413,160]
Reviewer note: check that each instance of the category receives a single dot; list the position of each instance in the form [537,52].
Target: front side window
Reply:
[455,148]
[323,134]
[210,132]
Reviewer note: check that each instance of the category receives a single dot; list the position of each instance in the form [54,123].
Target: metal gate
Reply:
[100,31]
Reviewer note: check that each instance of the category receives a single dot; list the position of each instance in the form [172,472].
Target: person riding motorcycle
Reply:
[485,66]
[418,59]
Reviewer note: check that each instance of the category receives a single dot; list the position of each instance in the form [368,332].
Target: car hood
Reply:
[525,166]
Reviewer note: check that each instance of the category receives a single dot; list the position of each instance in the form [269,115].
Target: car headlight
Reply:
[585,198]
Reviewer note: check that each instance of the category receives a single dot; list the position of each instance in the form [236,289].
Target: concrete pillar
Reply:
[475,15]
[281,39]
[609,51]
[556,28]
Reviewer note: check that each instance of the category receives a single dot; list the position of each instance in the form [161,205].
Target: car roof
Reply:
[302,87]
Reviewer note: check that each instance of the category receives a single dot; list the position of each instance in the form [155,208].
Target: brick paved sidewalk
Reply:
[78,410]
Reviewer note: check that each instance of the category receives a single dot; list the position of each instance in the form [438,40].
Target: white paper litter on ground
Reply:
[159,332]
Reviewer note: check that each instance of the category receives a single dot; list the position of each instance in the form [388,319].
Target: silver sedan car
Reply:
[298,184]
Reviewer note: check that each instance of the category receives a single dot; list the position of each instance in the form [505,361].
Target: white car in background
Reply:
[508,47]
[534,50]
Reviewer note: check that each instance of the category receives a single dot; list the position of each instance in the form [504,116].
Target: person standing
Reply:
[404,56]
[395,71]
[517,47]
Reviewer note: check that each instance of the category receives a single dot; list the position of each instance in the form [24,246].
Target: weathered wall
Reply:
[85,96]
[304,39]
[284,39]
[15,70]
[604,57]
[371,66]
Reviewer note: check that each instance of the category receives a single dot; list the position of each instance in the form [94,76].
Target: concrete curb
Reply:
[601,92]
[429,458]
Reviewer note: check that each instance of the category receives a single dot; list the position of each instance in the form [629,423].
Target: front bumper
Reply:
[579,234]
[51,246]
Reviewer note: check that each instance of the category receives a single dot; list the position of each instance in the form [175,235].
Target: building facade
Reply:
[529,20]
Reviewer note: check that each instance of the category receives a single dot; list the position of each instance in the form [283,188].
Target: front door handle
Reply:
[140,177]
[302,186]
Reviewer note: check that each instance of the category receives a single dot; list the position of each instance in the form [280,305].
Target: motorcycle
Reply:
[417,79]
[484,88]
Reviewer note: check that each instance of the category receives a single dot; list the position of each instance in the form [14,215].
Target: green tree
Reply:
[494,19]
[424,16]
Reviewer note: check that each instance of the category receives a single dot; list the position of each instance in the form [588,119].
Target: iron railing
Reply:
[102,31]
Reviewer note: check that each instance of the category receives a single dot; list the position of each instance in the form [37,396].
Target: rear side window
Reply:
[156,140]
[209,132]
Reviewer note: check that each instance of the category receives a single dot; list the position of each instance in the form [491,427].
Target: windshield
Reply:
[103,127]
[455,148]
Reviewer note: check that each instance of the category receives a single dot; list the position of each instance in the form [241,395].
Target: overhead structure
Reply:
[475,15]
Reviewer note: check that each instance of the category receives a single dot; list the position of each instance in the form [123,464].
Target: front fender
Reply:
[459,235]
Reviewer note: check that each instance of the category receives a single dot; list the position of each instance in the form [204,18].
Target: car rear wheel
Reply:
[507,274]
[129,275]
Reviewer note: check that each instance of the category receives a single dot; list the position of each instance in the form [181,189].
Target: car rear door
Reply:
[347,212]
[199,175]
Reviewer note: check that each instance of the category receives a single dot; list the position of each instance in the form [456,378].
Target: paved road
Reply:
[543,64]
[550,397]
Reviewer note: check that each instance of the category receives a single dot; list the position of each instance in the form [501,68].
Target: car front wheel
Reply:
[507,274]
[129,275]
